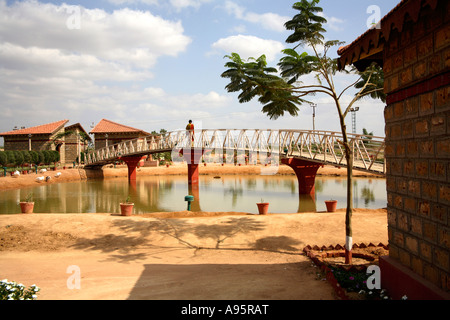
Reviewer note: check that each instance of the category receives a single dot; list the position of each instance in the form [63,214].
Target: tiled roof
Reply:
[372,41]
[48,128]
[78,125]
[107,126]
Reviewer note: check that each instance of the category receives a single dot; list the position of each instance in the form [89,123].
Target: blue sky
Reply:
[154,64]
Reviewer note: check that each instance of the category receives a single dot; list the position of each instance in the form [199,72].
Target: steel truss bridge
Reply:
[263,145]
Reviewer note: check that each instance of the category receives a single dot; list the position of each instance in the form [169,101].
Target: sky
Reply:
[155,64]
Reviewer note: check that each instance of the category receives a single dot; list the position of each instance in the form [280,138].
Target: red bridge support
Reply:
[306,173]
[132,163]
[192,156]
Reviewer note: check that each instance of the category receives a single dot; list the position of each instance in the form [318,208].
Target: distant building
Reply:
[51,136]
[107,133]
[76,140]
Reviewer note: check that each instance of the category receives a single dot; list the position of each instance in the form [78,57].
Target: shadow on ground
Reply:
[139,235]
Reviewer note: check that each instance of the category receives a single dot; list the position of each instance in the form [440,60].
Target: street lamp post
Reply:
[314,105]
[353,111]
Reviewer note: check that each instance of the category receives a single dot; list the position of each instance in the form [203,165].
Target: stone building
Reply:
[412,44]
[51,136]
[38,138]
[76,141]
[107,133]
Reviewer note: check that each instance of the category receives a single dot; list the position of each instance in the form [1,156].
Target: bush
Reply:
[19,158]
[47,156]
[34,157]
[3,159]
[10,290]
[41,157]
[26,156]
[11,157]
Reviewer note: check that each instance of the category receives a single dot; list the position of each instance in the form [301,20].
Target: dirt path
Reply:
[174,256]
[141,257]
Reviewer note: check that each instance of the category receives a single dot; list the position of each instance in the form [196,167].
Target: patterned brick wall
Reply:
[416,65]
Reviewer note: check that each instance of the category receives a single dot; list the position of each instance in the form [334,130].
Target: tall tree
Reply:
[285,93]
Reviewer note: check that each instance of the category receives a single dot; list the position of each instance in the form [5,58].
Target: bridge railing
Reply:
[321,146]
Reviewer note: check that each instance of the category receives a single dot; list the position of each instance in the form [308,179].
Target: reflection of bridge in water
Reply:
[304,151]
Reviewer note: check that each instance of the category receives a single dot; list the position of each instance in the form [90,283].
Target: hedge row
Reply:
[19,158]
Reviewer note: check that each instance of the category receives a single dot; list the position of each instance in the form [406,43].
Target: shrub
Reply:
[34,157]
[3,159]
[19,158]
[11,157]
[26,156]
[10,290]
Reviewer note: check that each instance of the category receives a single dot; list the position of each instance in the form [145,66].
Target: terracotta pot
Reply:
[331,205]
[126,209]
[27,207]
[263,208]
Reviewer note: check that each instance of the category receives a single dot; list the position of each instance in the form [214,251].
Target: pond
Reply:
[166,194]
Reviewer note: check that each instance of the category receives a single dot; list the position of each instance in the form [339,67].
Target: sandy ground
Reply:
[174,256]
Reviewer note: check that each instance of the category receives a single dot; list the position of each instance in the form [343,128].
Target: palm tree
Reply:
[253,78]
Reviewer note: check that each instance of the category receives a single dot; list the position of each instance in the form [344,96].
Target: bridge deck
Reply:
[230,145]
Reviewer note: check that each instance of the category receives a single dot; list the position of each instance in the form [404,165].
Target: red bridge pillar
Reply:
[305,172]
[132,163]
[192,157]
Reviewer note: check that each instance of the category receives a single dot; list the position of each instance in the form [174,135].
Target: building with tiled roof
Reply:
[412,45]
[76,141]
[68,141]
[38,138]
[107,132]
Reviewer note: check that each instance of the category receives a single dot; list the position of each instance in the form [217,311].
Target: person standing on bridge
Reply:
[190,131]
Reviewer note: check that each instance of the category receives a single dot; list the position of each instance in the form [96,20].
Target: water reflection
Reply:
[166,193]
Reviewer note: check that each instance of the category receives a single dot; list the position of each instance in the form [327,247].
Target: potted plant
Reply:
[27,205]
[263,207]
[126,207]
[331,205]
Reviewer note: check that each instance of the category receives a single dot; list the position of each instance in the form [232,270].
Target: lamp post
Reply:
[314,105]
[353,111]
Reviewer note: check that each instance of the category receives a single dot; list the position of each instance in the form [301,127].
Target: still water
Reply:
[166,193]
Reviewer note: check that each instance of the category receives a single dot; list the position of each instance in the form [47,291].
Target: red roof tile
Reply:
[373,39]
[107,126]
[48,128]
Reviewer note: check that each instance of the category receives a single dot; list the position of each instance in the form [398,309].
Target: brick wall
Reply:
[416,66]
[113,138]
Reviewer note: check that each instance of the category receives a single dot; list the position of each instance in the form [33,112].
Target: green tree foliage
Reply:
[11,157]
[34,157]
[18,158]
[26,156]
[3,159]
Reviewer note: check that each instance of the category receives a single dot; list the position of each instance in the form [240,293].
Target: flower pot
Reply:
[126,209]
[27,207]
[263,208]
[331,205]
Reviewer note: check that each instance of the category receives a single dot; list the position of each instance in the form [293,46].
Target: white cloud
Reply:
[136,38]
[269,21]
[182,4]
[333,23]
[249,46]
[127,2]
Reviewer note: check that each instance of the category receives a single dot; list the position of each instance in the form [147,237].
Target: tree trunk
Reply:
[349,211]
